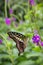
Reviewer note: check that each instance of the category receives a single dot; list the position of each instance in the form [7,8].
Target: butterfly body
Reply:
[20,39]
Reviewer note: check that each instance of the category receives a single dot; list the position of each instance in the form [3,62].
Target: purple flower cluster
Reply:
[0,41]
[36,39]
[7,21]
[41,43]
[10,11]
[32,2]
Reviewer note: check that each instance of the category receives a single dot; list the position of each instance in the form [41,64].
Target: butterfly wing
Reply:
[19,35]
[20,40]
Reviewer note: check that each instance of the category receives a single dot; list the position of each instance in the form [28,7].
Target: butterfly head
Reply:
[10,34]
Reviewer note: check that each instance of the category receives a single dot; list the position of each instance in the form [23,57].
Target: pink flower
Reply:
[8,21]
[32,2]
[41,43]
[13,19]
[10,11]
[0,41]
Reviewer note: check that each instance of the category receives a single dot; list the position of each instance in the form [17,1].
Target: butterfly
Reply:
[20,39]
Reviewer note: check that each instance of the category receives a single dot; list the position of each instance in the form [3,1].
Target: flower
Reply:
[13,19]
[41,43]
[7,1]
[32,2]
[10,11]
[21,22]
[0,41]
[8,21]
[36,38]
[35,32]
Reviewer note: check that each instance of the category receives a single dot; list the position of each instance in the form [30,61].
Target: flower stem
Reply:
[5,8]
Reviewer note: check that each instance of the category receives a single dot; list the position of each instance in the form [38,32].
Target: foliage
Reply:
[24,19]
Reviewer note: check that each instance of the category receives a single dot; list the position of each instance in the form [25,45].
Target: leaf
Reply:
[5,56]
[28,62]
[34,54]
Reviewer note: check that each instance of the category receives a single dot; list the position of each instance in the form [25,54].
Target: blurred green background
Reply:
[24,19]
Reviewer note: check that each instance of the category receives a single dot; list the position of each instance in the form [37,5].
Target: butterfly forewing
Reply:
[19,35]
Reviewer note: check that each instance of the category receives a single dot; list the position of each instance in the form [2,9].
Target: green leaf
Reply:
[28,62]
